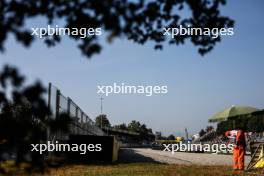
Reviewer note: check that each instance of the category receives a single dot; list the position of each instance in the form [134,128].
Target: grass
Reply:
[139,169]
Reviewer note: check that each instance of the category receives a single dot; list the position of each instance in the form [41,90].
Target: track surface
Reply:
[149,155]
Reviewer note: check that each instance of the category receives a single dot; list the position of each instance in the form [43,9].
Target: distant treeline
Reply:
[145,133]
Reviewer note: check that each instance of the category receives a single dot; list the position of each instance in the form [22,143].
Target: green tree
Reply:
[134,126]
[140,21]
[144,132]
[122,126]
[24,117]
[102,121]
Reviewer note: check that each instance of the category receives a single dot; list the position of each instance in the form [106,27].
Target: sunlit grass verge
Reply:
[135,169]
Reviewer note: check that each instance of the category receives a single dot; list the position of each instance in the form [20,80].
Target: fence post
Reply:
[49,97]
[69,106]
[57,113]
[81,117]
[57,103]
[76,120]
[49,108]
[69,114]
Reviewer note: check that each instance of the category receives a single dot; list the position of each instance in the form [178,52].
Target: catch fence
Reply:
[81,123]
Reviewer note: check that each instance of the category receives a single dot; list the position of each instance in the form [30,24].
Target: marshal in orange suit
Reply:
[239,149]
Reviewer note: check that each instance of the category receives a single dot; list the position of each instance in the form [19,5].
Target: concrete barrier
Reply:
[108,144]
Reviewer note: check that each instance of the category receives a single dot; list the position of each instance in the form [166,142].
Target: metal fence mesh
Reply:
[81,124]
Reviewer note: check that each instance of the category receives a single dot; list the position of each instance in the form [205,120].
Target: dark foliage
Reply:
[144,132]
[224,126]
[140,21]
[121,126]
[24,117]
[256,123]
[102,120]
[253,123]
